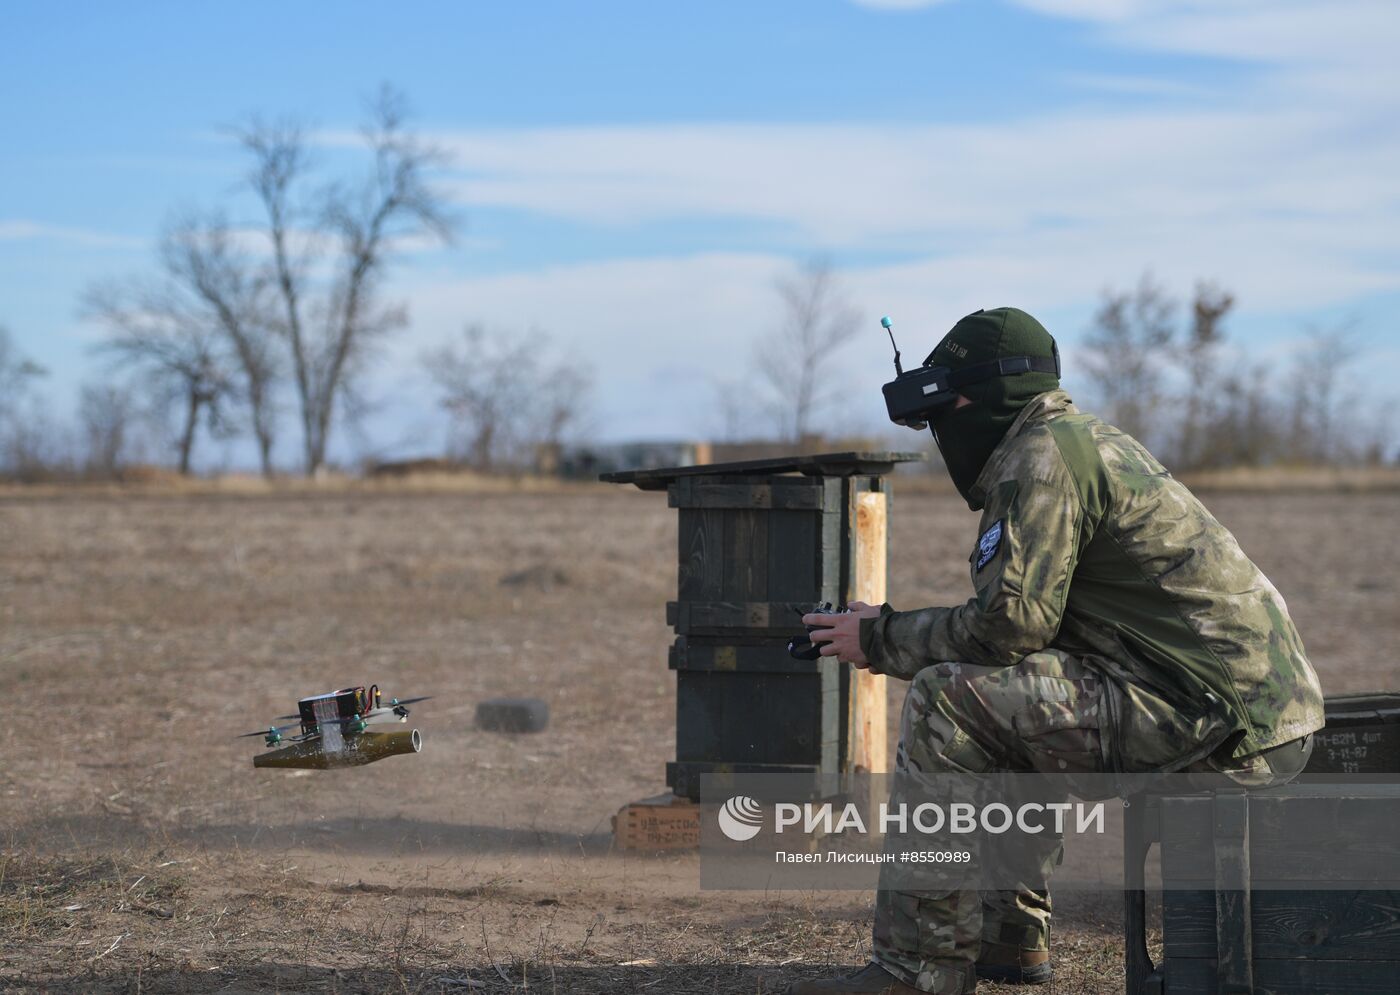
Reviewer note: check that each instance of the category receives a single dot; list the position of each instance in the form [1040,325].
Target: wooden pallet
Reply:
[661,822]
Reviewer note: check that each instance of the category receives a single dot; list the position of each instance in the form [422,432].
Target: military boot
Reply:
[874,980]
[1010,965]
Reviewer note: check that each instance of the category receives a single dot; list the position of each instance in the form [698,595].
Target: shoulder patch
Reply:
[990,542]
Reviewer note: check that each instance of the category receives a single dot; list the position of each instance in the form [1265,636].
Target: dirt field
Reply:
[140,851]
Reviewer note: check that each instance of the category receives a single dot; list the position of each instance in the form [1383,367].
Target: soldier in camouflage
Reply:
[1116,627]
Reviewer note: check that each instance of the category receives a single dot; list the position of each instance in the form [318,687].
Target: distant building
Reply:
[585,462]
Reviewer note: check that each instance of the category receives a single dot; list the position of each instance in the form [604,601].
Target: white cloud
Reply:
[17,230]
[1340,48]
[1287,186]
[660,332]
[1093,10]
[657,331]
[1219,191]
[1147,86]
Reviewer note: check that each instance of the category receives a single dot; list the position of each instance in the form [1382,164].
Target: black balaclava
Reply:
[967,436]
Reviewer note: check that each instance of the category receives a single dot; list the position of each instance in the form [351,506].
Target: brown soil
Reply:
[140,851]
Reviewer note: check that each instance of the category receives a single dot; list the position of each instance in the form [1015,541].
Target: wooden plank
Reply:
[1369,706]
[1142,975]
[825,464]
[745,572]
[837,533]
[1291,977]
[1234,947]
[683,777]
[749,717]
[869,740]
[724,618]
[1302,836]
[832,751]
[795,554]
[768,655]
[765,496]
[700,541]
[1304,925]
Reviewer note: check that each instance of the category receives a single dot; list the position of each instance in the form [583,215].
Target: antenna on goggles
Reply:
[888,326]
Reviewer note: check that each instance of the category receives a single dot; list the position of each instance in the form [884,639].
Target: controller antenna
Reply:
[888,326]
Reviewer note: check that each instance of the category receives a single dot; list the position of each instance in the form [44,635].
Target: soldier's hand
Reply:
[841,637]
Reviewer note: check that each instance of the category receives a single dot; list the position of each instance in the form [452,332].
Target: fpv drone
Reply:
[344,728]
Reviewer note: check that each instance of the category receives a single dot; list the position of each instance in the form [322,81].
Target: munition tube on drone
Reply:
[364,748]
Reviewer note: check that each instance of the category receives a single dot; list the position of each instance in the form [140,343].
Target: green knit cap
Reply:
[1000,333]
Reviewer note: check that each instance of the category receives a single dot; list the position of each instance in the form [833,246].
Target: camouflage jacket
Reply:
[1089,546]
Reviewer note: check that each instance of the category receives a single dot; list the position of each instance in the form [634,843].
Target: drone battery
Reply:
[347,702]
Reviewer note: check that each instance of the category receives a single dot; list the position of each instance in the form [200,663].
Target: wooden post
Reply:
[869,740]
[1234,963]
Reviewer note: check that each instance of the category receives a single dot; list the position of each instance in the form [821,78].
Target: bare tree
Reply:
[1318,370]
[1244,428]
[816,321]
[154,330]
[1246,415]
[507,396]
[1130,348]
[482,382]
[200,254]
[732,408]
[106,412]
[564,394]
[1196,445]
[1376,435]
[331,321]
[22,435]
[16,373]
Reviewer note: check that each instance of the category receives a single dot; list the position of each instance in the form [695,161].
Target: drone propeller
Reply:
[268,731]
[275,732]
[392,702]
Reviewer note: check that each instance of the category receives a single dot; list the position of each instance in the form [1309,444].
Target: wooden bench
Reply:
[1229,937]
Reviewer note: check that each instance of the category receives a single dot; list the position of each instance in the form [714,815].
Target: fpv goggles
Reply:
[913,397]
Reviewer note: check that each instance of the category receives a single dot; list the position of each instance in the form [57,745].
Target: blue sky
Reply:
[633,177]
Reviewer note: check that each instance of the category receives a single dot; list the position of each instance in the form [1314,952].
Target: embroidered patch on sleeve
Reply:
[990,542]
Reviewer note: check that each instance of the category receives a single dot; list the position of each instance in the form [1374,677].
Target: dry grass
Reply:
[139,632]
[1296,479]
[1239,480]
[157,482]
[150,922]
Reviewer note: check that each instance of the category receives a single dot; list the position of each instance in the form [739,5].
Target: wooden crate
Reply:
[758,544]
[1362,735]
[662,822]
[1228,936]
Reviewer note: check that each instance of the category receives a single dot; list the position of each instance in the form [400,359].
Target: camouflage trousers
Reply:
[964,718]
[1048,714]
